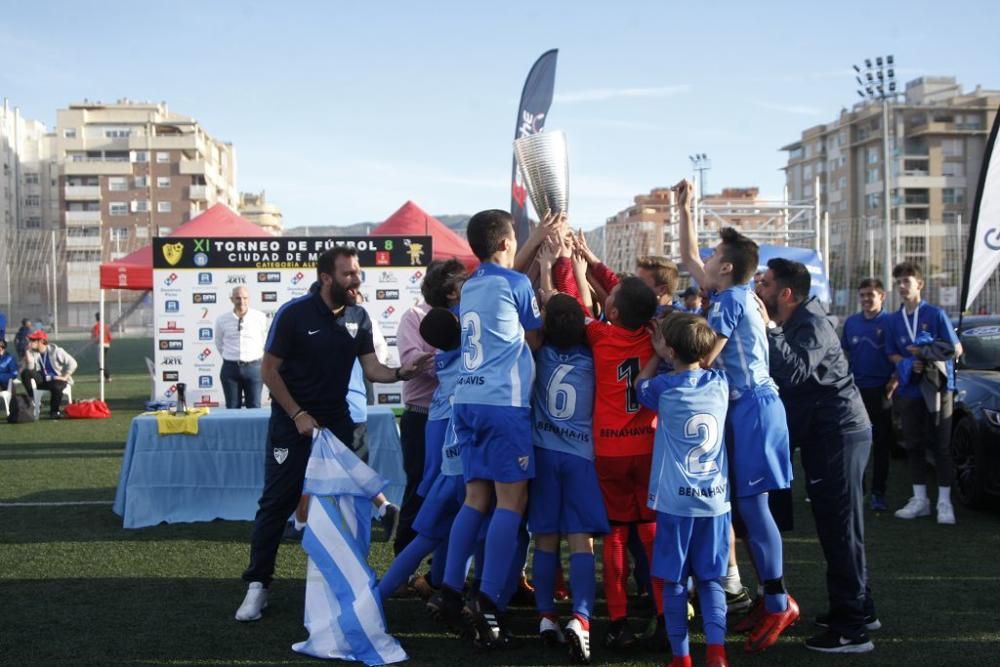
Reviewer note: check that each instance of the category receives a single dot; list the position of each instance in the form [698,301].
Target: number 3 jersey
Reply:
[622,427]
[498,305]
[563,400]
[690,474]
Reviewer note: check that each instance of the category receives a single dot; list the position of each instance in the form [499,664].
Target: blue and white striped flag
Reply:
[343,612]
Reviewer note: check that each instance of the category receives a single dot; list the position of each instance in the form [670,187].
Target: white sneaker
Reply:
[914,507]
[253,603]
[945,514]
[579,641]
[550,632]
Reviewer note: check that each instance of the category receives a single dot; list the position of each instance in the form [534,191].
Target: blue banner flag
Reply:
[531,112]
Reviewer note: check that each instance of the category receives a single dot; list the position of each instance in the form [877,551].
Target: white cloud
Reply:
[603,94]
[799,109]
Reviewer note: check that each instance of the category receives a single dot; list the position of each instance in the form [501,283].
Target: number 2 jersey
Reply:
[622,427]
[690,475]
[498,305]
[563,402]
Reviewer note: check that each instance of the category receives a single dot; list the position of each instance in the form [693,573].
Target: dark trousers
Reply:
[880,413]
[284,473]
[834,464]
[412,425]
[922,436]
[56,387]
[241,384]
[107,362]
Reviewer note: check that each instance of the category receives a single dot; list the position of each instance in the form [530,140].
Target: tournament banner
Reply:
[983,254]
[536,98]
[193,279]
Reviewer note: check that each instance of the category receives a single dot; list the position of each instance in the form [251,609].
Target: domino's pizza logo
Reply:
[169,280]
[415,278]
[387,313]
[171,390]
[204,354]
[298,277]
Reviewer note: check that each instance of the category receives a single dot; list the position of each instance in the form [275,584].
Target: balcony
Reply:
[165,142]
[83,217]
[82,192]
[198,193]
[192,167]
[83,242]
[97,167]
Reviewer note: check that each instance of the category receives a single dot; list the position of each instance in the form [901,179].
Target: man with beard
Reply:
[828,422]
[310,351]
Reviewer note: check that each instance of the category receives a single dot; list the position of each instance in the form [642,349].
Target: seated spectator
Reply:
[8,366]
[50,366]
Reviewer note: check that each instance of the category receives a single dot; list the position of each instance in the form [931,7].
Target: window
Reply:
[165,231]
[163,207]
[951,147]
[872,200]
[795,154]
[872,155]
[950,217]
[118,208]
[842,182]
[117,133]
[162,156]
[69,133]
[141,181]
[873,175]
[163,181]
[33,222]
[953,169]
[953,195]
[31,179]
[117,184]
[33,200]
[119,233]
[141,233]
[807,171]
[140,156]
[140,206]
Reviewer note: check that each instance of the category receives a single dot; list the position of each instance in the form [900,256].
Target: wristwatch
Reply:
[771,325]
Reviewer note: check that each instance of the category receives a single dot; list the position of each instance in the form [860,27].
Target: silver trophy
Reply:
[544,163]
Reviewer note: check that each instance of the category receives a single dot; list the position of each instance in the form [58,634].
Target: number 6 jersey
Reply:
[563,401]
[690,475]
[497,307]
[622,427]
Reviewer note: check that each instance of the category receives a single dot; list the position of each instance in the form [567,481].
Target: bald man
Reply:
[239,337]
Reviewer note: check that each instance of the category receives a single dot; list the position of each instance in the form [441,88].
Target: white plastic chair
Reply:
[45,394]
[6,395]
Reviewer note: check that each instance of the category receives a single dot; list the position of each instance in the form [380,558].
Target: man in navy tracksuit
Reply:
[827,421]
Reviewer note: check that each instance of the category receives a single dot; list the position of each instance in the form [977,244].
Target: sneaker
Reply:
[292,534]
[914,507]
[945,514]
[579,641]
[619,637]
[384,525]
[446,607]
[771,626]
[253,604]
[422,586]
[485,621]
[878,503]
[871,622]
[750,621]
[738,601]
[657,640]
[833,642]
[55,415]
[550,632]
[524,595]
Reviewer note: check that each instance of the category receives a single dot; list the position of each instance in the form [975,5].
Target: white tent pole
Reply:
[100,344]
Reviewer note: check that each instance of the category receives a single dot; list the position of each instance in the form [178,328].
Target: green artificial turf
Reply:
[76,588]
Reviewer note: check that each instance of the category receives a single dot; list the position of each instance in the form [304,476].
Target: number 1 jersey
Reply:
[622,427]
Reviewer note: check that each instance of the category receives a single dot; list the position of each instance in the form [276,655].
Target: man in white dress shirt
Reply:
[239,337]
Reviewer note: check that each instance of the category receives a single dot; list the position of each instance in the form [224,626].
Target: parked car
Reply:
[975,442]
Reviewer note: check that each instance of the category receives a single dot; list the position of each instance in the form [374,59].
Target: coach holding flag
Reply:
[310,351]
[827,421]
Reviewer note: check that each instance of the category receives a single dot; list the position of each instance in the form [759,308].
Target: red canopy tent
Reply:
[410,219]
[135,271]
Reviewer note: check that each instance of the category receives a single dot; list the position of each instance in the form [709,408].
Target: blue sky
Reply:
[342,112]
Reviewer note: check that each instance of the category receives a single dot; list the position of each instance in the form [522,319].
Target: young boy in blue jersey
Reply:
[922,344]
[689,484]
[500,323]
[565,494]
[864,340]
[445,488]
[759,447]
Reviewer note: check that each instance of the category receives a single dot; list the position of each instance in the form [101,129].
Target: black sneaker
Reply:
[446,607]
[619,637]
[738,601]
[384,526]
[292,534]
[485,620]
[871,622]
[657,640]
[55,415]
[833,642]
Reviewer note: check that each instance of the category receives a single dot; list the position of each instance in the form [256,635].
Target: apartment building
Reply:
[637,230]
[255,208]
[937,137]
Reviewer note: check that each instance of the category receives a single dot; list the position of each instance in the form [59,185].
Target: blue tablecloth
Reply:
[219,473]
